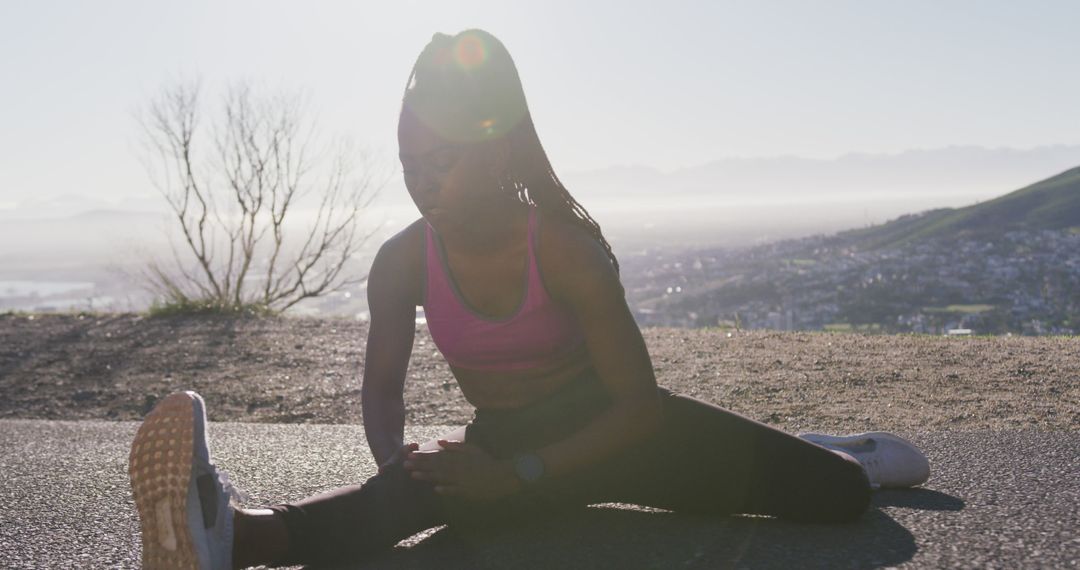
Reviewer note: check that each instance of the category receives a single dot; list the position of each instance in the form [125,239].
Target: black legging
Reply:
[703,459]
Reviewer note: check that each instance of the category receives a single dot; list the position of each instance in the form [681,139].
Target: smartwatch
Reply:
[528,467]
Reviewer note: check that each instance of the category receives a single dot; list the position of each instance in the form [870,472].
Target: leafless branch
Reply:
[242,198]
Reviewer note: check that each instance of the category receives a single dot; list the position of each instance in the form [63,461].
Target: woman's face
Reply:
[452,184]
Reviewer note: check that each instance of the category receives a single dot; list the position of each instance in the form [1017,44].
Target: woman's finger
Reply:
[420,463]
[438,463]
[421,475]
[421,457]
[426,472]
[399,455]
[434,476]
[459,446]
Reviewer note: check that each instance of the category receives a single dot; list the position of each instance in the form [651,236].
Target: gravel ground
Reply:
[306,370]
[994,500]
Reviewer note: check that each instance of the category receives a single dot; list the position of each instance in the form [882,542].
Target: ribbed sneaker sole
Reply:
[160,471]
[824,439]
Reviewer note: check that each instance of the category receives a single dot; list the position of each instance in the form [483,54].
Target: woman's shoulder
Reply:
[568,253]
[410,237]
[564,240]
[401,259]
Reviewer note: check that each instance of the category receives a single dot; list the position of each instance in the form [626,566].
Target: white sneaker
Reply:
[889,460]
[183,500]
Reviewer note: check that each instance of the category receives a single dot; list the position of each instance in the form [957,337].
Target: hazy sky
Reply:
[664,84]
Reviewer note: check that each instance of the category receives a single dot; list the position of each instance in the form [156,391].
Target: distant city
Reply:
[1025,282]
[1007,266]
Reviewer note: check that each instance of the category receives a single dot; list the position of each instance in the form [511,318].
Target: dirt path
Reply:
[307,370]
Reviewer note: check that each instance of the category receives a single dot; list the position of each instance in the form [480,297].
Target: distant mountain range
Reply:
[736,202]
[957,170]
[730,202]
[1051,204]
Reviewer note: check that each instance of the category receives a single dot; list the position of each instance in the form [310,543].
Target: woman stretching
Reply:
[522,296]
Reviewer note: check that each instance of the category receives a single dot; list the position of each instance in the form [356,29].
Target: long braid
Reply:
[585,220]
[548,192]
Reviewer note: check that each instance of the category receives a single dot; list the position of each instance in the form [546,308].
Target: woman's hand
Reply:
[464,470]
[399,455]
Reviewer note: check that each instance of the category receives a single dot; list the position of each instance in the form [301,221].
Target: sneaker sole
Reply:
[823,439]
[160,470]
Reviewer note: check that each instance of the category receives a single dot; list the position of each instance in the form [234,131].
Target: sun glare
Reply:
[470,52]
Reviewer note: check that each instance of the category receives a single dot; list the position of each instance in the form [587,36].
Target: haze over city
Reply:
[687,124]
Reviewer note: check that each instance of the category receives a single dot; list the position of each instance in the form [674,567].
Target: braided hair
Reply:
[467,89]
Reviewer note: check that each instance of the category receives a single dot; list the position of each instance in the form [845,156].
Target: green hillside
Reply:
[1051,204]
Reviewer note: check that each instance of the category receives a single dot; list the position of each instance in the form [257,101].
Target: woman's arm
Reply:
[389,345]
[578,273]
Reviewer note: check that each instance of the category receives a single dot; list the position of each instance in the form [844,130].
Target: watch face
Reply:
[529,467]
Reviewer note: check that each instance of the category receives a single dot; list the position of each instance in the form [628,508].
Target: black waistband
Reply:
[554,417]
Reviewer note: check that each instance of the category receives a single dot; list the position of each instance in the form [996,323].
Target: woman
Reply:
[522,296]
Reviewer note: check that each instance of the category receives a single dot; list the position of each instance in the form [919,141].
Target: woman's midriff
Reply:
[495,390]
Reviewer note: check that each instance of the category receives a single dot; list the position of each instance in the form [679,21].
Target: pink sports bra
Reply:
[539,332]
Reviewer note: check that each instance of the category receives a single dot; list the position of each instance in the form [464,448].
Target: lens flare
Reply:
[466,89]
[470,52]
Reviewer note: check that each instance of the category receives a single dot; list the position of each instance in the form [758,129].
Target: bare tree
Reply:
[236,192]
